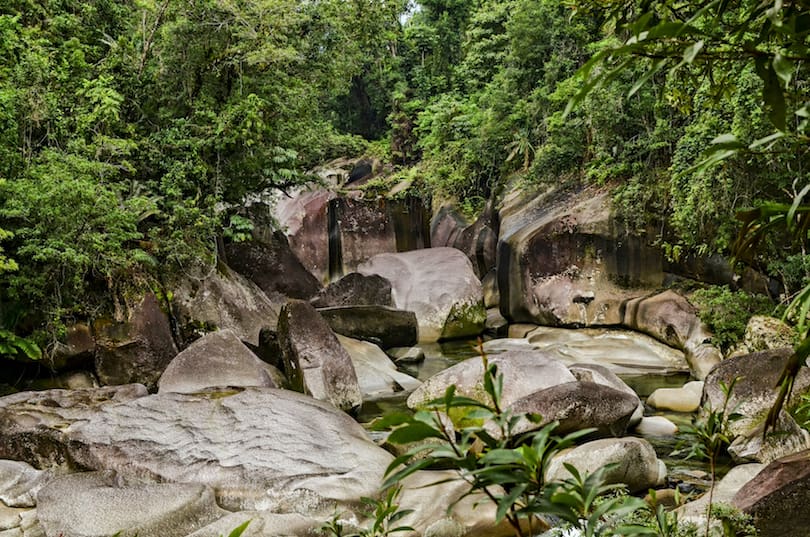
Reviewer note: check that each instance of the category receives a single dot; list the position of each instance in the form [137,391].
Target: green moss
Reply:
[465,320]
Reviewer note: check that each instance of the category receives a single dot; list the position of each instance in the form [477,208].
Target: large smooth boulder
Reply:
[136,350]
[303,216]
[439,285]
[376,373]
[752,397]
[223,299]
[314,361]
[258,448]
[670,318]
[524,372]
[384,326]
[98,503]
[683,399]
[778,496]
[580,405]
[355,289]
[216,359]
[564,259]
[636,463]
[273,267]
[600,374]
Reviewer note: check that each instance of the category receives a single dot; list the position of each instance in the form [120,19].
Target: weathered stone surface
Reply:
[752,397]
[314,361]
[724,492]
[303,215]
[477,240]
[98,503]
[376,373]
[10,518]
[669,317]
[223,299]
[600,374]
[387,327]
[69,380]
[216,359]
[20,482]
[439,285]
[764,333]
[258,448]
[262,524]
[778,496]
[579,405]
[406,355]
[683,399]
[622,351]
[355,289]
[523,373]
[35,423]
[136,350]
[273,267]
[637,465]
[474,513]
[563,259]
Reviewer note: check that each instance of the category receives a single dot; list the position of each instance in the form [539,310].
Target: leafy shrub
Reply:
[481,445]
[727,312]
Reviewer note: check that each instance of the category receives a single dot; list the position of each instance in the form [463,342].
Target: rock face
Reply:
[355,289]
[478,240]
[439,285]
[580,405]
[262,524]
[216,359]
[670,318]
[777,497]
[20,482]
[563,260]
[314,360]
[223,299]
[637,465]
[136,350]
[273,267]
[724,491]
[752,397]
[95,503]
[34,422]
[376,373]
[524,372]
[77,350]
[333,233]
[764,333]
[384,326]
[602,375]
[258,448]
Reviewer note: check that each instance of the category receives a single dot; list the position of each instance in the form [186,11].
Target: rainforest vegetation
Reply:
[131,131]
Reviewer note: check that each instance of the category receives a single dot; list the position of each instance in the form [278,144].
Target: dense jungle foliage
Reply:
[132,130]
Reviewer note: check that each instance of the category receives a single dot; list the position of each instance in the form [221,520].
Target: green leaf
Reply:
[413,432]
[237,531]
[691,52]
[783,67]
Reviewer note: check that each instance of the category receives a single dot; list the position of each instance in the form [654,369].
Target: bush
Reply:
[727,312]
